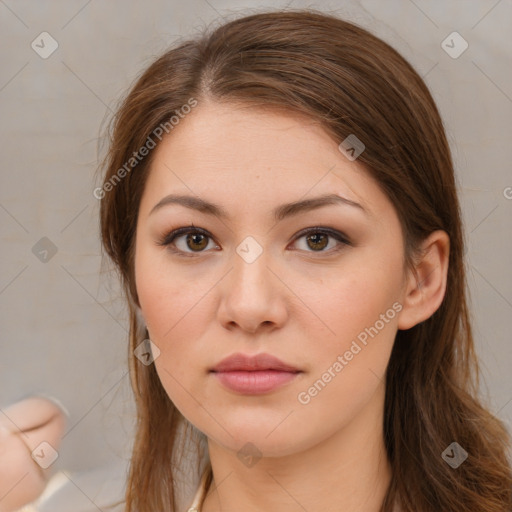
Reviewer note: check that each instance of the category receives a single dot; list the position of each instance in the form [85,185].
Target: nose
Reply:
[253,297]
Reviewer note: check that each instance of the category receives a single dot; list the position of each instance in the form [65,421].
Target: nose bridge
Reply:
[251,277]
[252,295]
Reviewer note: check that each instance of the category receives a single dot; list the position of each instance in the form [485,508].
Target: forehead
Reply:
[243,156]
[246,137]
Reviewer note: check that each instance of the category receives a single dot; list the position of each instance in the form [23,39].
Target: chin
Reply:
[262,439]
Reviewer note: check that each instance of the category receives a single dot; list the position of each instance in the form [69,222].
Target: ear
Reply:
[140,316]
[425,285]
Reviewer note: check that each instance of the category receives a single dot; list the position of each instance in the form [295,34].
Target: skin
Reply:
[23,427]
[302,304]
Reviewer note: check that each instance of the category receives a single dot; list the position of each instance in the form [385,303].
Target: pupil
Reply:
[194,240]
[316,243]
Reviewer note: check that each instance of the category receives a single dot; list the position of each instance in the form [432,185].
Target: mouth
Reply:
[254,382]
[252,375]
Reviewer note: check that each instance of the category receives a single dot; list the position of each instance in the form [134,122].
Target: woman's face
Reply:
[317,285]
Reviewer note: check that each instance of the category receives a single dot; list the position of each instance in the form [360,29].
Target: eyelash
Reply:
[169,238]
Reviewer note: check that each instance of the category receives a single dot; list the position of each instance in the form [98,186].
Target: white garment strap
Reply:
[200,493]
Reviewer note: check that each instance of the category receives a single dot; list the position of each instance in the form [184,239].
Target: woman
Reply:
[279,199]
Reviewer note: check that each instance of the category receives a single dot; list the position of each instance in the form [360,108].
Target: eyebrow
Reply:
[279,213]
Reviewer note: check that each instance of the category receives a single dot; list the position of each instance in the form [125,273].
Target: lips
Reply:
[258,362]
[253,375]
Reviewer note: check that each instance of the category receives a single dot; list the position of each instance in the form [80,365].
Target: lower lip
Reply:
[254,382]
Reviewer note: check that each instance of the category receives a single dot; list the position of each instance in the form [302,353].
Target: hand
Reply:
[23,426]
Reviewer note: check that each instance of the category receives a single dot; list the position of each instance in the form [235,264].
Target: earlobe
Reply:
[426,285]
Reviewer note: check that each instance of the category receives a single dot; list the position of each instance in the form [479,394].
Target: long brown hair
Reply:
[353,83]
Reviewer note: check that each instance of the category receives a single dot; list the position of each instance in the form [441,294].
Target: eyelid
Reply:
[168,238]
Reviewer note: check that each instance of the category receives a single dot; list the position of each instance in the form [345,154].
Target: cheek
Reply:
[350,365]
[172,325]
[360,307]
[359,297]
[174,319]
[175,311]
[168,298]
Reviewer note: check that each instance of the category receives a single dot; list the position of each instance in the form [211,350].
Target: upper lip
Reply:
[258,362]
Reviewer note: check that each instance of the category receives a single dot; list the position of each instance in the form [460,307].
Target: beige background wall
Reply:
[62,321]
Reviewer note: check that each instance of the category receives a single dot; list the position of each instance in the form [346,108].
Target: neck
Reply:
[348,472]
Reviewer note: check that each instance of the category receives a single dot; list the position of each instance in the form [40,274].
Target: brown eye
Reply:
[317,241]
[187,240]
[197,241]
